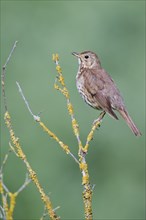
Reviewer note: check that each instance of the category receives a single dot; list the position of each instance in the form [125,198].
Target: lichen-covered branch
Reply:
[60,85]
[9,198]
[96,124]
[45,128]
[32,174]
[17,147]
[82,150]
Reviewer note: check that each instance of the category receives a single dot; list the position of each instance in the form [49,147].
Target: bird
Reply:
[98,89]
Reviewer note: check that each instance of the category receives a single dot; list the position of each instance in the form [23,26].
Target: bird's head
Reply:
[87,59]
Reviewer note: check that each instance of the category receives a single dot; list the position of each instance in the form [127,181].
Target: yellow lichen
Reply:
[51,134]
[83,166]
[1,187]
[75,126]
[55,57]
[85,179]
[70,108]
[12,202]
[58,68]
[32,174]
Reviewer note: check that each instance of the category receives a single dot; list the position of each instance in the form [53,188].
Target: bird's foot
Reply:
[97,122]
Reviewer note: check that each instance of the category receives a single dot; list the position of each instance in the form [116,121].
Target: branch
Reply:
[47,130]
[26,182]
[36,117]
[8,198]
[87,192]
[21,154]
[63,89]
[96,124]
[4,73]
[82,152]
[4,162]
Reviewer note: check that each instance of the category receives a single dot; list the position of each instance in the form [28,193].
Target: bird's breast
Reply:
[88,98]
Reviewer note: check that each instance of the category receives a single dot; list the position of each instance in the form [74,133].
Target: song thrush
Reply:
[99,90]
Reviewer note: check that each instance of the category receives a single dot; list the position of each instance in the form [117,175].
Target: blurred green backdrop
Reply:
[115,31]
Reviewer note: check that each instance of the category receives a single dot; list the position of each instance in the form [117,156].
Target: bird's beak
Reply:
[76,54]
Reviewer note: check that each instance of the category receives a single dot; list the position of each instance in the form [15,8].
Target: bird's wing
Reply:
[97,85]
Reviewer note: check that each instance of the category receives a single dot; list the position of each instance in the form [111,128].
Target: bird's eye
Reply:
[86,56]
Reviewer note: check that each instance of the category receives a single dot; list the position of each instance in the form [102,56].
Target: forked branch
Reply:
[19,152]
[82,150]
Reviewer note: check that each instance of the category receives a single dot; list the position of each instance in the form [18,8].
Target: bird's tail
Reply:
[129,122]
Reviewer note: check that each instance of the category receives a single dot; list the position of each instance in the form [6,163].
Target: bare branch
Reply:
[4,73]
[4,162]
[2,213]
[27,181]
[10,54]
[36,118]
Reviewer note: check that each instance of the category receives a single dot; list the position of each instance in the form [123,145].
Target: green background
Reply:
[115,31]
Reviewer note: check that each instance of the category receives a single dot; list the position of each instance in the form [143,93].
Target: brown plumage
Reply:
[99,90]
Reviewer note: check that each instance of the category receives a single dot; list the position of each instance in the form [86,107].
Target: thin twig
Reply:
[26,182]
[76,160]
[1,171]
[37,118]
[45,212]
[2,213]
[4,73]
[13,149]
[10,54]
[4,162]
[5,188]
